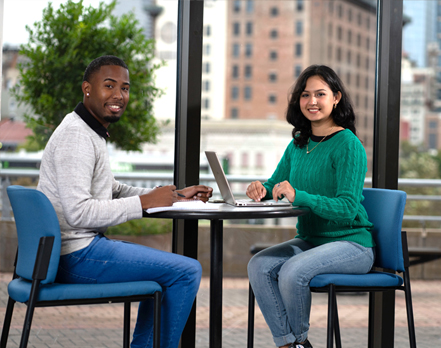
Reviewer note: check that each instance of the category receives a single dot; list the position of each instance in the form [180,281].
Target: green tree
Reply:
[416,163]
[60,47]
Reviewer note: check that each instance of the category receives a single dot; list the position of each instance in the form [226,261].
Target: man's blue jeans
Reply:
[108,261]
[280,277]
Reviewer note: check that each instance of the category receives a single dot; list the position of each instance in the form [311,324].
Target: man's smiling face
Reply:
[107,93]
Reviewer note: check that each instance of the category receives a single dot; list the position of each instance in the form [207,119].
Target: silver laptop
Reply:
[225,188]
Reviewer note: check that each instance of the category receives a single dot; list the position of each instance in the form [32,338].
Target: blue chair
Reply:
[39,244]
[385,209]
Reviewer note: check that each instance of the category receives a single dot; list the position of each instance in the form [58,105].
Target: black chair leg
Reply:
[126,333]
[331,315]
[251,307]
[409,310]
[157,320]
[7,322]
[336,325]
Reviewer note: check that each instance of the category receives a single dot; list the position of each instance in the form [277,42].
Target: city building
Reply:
[420,31]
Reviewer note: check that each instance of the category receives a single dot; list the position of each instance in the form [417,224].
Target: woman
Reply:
[323,168]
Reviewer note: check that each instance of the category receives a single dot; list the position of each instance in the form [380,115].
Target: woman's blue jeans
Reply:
[109,261]
[280,277]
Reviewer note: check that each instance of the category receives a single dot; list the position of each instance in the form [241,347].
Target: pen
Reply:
[179,194]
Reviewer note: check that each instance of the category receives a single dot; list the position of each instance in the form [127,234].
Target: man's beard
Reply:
[111,119]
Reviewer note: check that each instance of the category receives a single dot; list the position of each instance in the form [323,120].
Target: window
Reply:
[299,28]
[206,103]
[339,33]
[248,50]
[433,124]
[367,63]
[357,80]
[234,113]
[248,71]
[358,60]
[250,6]
[367,44]
[349,37]
[340,11]
[236,6]
[348,78]
[299,5]
[338,54]
[235,93]
[359,19]
[366,83]
[249,28]
[350,15]
[236,50]
[206,67]
[273,55]
[206,85]
[247,93]
[207,30]
[330,30]
[274,34]
[330,52]
[272,99]
[245,160]
[297,71]
[207,49]
[274,11]
[259,160]
[235,72]
[272,77]
[236,29]
[433,143]
[298,50]
[358,40]
[349,56]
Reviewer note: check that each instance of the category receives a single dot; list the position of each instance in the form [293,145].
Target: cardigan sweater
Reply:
[329,181]
[75,175]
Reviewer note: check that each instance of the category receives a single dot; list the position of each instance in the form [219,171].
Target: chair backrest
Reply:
[385,209]
[35,217]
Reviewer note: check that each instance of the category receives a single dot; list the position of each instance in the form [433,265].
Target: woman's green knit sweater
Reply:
[329,180]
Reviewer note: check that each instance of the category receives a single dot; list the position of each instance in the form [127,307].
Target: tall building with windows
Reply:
[269,43]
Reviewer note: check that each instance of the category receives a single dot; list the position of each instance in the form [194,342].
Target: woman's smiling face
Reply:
[317,100]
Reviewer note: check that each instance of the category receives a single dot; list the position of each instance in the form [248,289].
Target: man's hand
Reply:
[256,191]
[159,197]
[200,192]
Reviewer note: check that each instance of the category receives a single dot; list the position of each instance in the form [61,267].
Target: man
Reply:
[75,175]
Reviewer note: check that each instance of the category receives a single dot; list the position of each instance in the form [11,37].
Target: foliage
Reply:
[141,227]
[60,47]
[417,164]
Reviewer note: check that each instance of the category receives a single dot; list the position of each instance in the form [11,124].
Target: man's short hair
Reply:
[97,63]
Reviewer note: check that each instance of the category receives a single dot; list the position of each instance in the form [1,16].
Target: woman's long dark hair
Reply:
[343,115]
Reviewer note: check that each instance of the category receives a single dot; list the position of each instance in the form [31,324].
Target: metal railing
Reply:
[141,179]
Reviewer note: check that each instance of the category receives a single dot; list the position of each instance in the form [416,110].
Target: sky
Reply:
[19,13]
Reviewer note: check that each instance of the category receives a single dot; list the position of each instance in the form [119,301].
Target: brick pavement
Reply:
[101,326]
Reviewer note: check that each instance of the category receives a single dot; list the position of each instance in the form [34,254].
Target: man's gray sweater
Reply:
[75,175]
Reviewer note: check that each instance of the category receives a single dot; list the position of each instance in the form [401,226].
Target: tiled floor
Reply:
[101,326]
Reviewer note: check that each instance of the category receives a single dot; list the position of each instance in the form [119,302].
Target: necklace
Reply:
[309,151]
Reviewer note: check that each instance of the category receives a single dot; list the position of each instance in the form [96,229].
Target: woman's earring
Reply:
[335,105]
[88,95]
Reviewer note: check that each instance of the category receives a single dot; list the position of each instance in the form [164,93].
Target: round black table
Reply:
[216,217]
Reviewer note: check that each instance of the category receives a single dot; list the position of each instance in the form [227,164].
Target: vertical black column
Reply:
[386,145]
[188,130]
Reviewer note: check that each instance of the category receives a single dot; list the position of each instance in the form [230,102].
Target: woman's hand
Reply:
[200,192]
[284,188]
[256,191]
